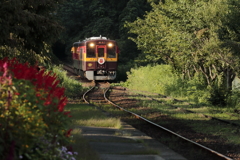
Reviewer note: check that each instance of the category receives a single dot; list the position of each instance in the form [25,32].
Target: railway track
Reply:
[72,73]
[100,94]
[69,69]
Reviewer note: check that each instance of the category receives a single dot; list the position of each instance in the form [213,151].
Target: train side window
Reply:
[111,52]
[91,52]
[100,52]
[81,52]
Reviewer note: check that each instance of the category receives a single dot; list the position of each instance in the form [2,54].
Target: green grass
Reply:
[86,115]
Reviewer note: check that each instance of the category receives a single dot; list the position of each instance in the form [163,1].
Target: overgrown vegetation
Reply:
[72,87]
[196,38]
[161,79]
[33,122]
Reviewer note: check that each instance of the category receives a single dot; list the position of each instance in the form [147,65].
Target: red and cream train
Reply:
[95,58]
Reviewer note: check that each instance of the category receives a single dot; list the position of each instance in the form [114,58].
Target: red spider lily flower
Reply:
[62,104]
[6,77]
[38,94]
[68,133]
[67,114]
[47,103]
[5,69]
[39,78]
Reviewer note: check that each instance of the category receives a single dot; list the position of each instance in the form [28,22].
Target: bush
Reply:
[218,97]
[33,122]
[122,72]
[197,90]
[233,100]
[161,79]
[72,87]
[158,79]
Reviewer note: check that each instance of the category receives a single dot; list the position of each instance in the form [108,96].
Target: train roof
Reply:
[93,38]
[76,44]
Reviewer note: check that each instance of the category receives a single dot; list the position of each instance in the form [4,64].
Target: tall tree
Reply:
[130,13]
[194,37]
[27,28]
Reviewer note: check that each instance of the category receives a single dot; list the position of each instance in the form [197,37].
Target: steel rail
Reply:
[84,95]
[165,129]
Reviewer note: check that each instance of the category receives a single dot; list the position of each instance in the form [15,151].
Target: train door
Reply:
[101,50]
[81,58]
[101,54]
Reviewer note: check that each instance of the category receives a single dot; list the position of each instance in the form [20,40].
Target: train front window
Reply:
[111,52]
[91,52]
[100,52]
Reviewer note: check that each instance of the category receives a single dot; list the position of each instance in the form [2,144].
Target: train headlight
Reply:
[110,45]
[91,44]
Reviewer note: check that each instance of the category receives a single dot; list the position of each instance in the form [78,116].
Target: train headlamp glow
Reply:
[110,44]
[90,64]
[91,44]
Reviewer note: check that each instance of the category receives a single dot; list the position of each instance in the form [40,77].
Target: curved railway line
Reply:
[102,91]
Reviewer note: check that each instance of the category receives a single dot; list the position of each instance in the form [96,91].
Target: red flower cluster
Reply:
[6,78]
[45,87]
[68,133]
[39,78]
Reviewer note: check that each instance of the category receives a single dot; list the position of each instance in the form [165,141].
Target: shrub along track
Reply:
[187,150]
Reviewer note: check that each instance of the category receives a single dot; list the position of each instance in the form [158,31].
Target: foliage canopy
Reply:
[28,28]
[194,37]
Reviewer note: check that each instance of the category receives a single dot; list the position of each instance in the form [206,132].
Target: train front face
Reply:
[101,59]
